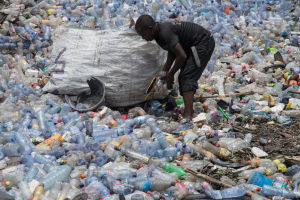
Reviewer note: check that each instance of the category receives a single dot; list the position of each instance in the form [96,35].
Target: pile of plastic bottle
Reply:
[49,151]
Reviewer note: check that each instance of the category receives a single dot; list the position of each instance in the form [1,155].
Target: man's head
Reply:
[146,27]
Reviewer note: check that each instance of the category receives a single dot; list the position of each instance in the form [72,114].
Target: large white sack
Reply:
[123,61]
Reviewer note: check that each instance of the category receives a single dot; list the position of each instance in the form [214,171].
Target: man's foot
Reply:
[188,116]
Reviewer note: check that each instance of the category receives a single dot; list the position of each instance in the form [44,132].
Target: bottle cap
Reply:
[7,183]
[59,120]
[178,163]
[268,172]
[124,117]
[173,183]
[82,176]
[101,116]
[217,144]
[248,161]
[258,189]
[148,192]
[92,114]
[239,175]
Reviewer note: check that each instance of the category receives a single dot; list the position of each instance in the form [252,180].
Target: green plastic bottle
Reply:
[168,167]
[179,101]
[272,50]
[225,116]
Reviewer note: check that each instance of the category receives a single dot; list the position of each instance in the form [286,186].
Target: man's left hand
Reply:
[169,78]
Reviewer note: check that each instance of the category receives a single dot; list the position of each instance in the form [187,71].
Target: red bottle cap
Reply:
[178,163]
[148,192]
[124,116]
[59,120]
[101,116]
[92,114]
[217,144]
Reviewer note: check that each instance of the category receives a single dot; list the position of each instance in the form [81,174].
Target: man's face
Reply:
[148,34]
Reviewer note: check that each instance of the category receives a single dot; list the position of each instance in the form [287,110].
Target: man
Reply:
[180,39]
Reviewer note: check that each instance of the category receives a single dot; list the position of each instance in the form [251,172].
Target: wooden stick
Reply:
[214,181]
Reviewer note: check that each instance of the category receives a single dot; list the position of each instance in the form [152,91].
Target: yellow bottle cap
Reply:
[282,167]
[277,162]
[202,87]
[7,183]
[169,137]
[268,172]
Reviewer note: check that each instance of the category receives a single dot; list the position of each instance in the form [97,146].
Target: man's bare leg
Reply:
[188,98]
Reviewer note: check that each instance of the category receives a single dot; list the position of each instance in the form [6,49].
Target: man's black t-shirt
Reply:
[186,33]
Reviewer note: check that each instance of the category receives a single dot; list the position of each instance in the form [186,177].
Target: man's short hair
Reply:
[143,22]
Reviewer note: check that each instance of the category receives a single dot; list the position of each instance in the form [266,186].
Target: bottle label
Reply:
[280,182]
[111,122]
[277,162]
[115,143]
[105,197]
[24,61]
[144,186]
[176,144]
[35,126]
[73,187]
[205,184]
[121,131]
[140,119]
[104,172]
[226,10]
[141,112]
[150,120]
[256,162]
[185,158]
[224,153]
[117,187]
[209,155]
[91,168]
[49,149]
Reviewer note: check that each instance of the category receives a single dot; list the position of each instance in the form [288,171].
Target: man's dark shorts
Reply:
[190,72]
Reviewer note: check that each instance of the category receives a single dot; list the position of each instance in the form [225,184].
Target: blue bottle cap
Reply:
[134,174]
[28,111]
[130,130]
[183,145]
[4,125]
[202,191]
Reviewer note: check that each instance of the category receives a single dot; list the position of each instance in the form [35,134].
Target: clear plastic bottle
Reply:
[153,185]
[114,185]
[61,174]
[25,190]
[39,190]
[247,173]
[134,155]
[20,138]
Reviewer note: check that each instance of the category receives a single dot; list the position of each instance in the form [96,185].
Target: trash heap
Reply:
[237,144]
